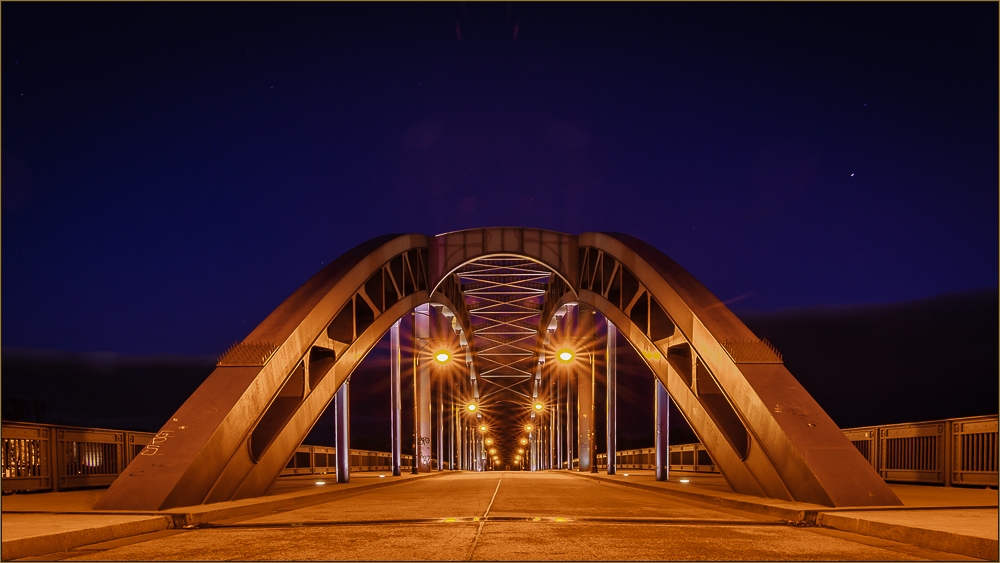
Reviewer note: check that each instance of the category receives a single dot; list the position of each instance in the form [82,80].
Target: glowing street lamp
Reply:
[524,441]
[538,405]
[565,355]
[482,428]
[442,356]
[520,451]
[528,428]
[471,407]
[489,441]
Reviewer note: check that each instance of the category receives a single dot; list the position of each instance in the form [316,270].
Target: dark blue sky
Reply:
[172,171]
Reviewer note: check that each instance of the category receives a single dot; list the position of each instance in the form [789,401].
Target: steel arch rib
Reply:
[795,451]
[203,454]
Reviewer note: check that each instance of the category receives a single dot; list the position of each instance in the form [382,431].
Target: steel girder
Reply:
[233,436]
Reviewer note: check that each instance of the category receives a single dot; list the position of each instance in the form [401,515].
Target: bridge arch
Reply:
[764,431]
[235,433]
[232,437]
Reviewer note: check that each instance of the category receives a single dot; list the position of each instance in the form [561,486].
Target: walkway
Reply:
[518,516]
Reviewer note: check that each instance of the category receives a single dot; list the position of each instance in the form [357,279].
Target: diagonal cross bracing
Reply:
[504,297]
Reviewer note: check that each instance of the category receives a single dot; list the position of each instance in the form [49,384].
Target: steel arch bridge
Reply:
[506,300]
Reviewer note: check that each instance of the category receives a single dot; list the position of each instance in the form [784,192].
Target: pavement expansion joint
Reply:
[488,519]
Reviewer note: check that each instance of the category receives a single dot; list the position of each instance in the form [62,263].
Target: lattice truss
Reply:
[504,297]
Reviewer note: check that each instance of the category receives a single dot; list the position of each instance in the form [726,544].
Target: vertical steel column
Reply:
[421,391]
[440,424]
[557,418]
[585,417]
[475,447]
[396,408]
[452,458]
[662,431]
[530,450]
[552,412]
[612,364]
[584,326]
[342,433]
[460,424]
[570,430]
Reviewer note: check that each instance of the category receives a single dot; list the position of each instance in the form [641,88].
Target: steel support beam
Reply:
[584,325]
[343,433]
[611,361]
[570,436]
[421,391]
[553,415]
[662,436]
[558,421]
[452,461]
[439,438]
[396,407]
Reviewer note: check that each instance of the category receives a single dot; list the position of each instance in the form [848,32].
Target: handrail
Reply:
[953,451]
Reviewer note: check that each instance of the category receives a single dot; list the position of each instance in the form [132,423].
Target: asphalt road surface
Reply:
[503,516]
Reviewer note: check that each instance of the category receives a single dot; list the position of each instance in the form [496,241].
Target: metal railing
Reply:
[683,457]
[322,460]
[954,451]
[46,457]
[49,457]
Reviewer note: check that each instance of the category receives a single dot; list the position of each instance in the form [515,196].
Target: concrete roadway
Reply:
[504,516]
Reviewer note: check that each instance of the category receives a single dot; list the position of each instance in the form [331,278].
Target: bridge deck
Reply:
[516,516]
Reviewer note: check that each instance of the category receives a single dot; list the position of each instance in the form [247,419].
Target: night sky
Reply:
[173,171]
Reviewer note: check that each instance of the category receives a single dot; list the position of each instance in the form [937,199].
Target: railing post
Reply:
[948,443]
[343,434]
[662,434]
